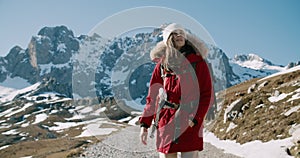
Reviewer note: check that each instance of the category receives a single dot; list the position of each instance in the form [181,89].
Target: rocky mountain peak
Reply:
[15,55]
[56,32]
[53,45]
[250,58]
[14,51]
[255,62]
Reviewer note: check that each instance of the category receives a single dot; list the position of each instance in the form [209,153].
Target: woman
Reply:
[182,78]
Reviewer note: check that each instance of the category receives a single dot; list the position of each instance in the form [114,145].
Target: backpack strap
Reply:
[194,68]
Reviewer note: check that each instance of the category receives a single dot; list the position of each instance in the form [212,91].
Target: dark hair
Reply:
[187,49]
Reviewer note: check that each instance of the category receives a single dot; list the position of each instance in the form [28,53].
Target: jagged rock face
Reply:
[18,64]
[138,82]
[3,71]
[293,64]
[223,75]
[54,45]
[117,59]
[48,55]
[230,75]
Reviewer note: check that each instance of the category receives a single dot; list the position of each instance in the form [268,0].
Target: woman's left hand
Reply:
[191,123]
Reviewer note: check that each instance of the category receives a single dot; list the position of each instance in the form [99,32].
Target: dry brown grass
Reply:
[43,148]
[264,123]
[51,148]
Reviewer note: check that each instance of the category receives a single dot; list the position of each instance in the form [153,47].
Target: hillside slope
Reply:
[261,109]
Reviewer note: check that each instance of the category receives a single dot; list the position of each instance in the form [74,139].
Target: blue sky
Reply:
[269,28]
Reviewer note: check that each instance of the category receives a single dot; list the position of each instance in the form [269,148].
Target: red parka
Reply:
[182,88]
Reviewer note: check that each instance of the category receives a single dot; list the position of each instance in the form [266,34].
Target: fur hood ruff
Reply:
[199,46]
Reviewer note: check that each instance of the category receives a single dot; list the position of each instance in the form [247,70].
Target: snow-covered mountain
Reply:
[253,66]
[88,66]
[91,66]
[255,62]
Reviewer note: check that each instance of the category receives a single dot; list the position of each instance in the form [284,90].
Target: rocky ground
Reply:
[126,144]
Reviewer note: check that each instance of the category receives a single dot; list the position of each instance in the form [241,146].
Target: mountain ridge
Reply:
[83,66]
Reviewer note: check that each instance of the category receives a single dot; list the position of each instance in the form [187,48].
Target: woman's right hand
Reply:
[144,135]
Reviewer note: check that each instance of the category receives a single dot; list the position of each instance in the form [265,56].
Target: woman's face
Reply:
[178,38]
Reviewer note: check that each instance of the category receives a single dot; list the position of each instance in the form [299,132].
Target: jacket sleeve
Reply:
[206,91]
[156,83]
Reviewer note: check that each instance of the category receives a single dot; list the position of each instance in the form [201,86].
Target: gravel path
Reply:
[126,144]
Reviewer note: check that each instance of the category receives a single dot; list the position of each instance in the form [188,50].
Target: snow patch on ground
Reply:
[271,149]
[40,118]
[94,130]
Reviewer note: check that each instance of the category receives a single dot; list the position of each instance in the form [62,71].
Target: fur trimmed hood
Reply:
[199,46]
